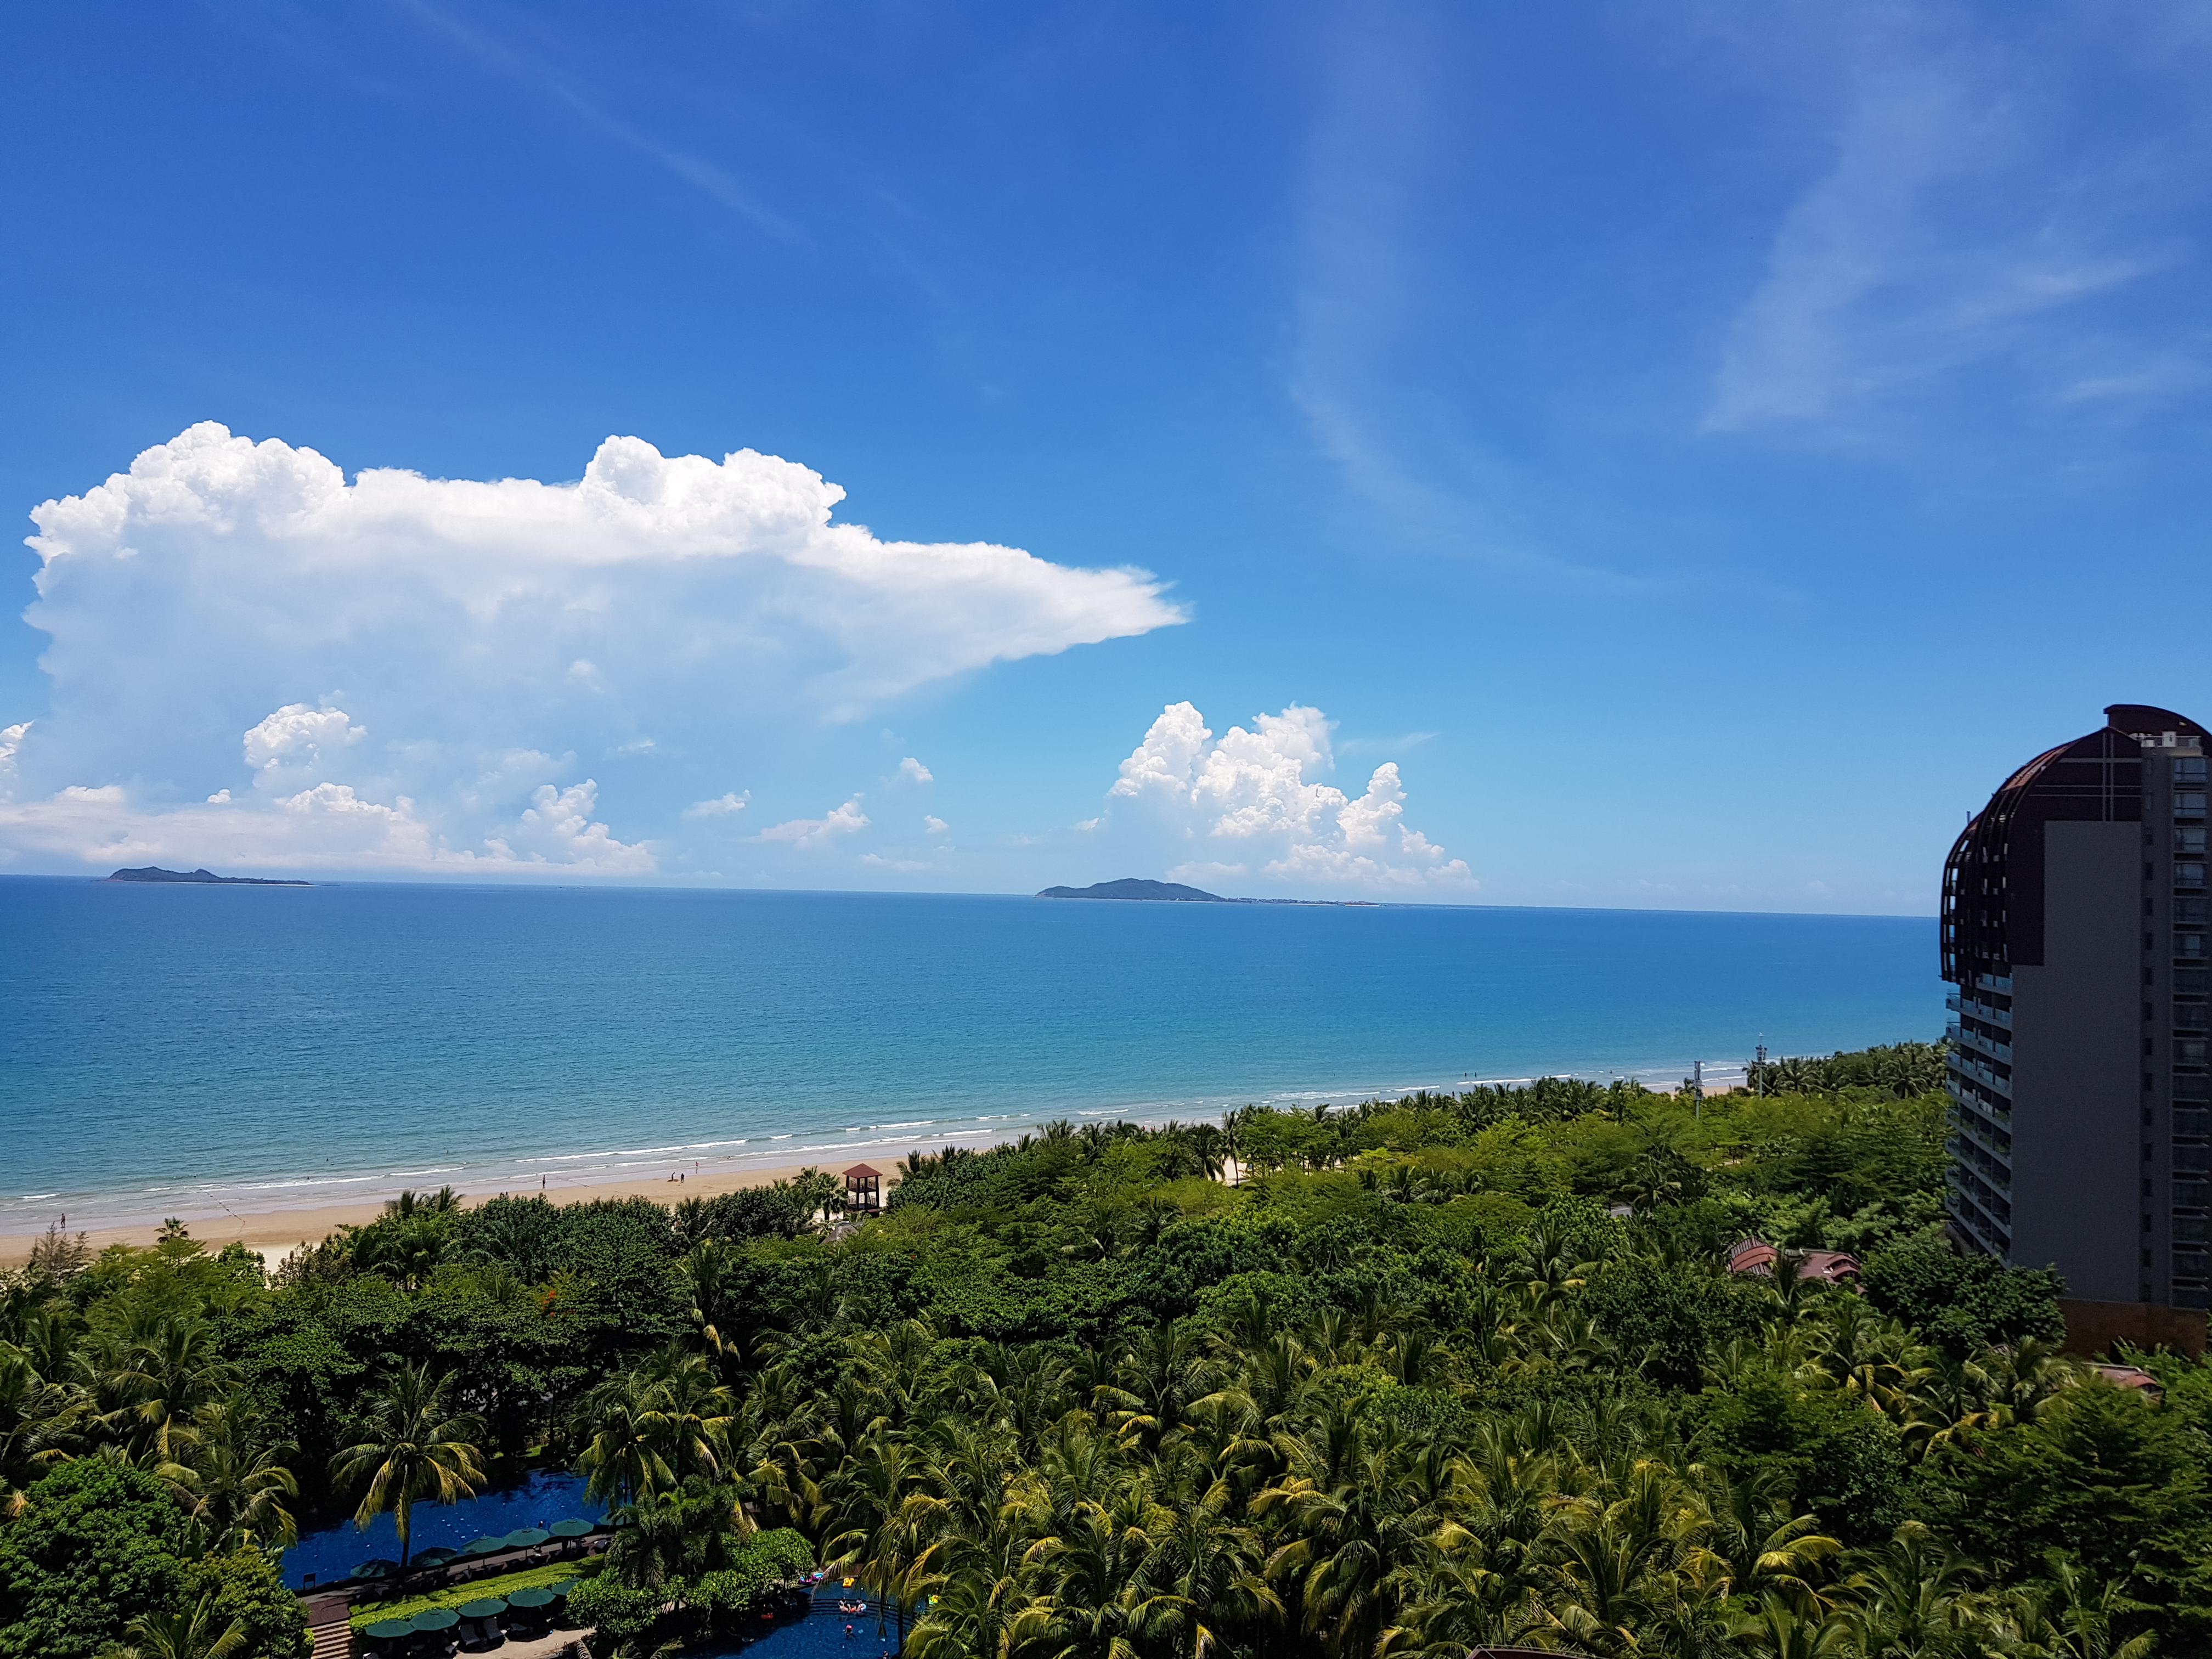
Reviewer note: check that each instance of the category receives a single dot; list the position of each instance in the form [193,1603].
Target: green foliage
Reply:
[1962,1303]
[1671,1320]
[242,1587]
[1838,1459]
[1407,1376]
[2099,1475]
[97,1546]
[614,1608]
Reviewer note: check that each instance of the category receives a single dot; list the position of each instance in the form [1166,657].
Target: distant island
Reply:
[152,872]
[1130,887]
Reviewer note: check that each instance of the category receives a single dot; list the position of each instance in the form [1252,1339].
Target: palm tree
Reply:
[181,1635]
[890,1526]
[1779,1629]
[238,1481]
[36,1418]
[1104,1599]
[2064,1620]
[1908,1597]
[1768,1551]
[151,1378]
[1212,1567]
[706,1271]
[410,1443]
[627,1457]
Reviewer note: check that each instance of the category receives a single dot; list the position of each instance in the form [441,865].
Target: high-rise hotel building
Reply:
[2074,929]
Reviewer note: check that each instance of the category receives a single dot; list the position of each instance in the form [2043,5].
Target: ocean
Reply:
[197,1050]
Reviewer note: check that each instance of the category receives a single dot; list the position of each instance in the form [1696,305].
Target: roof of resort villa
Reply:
[1830,1267]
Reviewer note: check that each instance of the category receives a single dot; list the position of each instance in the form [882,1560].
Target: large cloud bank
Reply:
[254,660]
[1250,803]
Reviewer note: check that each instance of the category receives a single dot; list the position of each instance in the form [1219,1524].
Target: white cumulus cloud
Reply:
[1255,800]
[819,832]
[440,651]
[297,743]
[915,772]
[721,807]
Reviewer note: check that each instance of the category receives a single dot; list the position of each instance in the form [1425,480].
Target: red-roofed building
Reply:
[1829,1266]
[864,1189]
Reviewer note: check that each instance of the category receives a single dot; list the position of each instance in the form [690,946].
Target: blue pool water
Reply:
[819,1635]
[332,1552]
[197,1051]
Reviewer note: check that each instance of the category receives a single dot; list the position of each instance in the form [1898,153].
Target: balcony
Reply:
[1951,1002]
[1968,1127]
[1967,1037]
[1973,1066]
[1989,1013]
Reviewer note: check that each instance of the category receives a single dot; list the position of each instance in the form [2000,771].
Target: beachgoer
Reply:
[848,1632]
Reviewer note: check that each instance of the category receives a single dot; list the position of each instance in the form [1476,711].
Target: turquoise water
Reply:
[197,1050]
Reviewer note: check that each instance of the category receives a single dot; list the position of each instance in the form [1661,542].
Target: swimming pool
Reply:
[331,1551]
[819,1635]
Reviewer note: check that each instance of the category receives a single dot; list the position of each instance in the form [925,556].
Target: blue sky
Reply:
[1697,449]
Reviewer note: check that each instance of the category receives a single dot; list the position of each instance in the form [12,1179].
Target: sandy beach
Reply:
[272,1234]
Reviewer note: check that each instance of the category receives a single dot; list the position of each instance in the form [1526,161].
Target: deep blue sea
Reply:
[171,1050]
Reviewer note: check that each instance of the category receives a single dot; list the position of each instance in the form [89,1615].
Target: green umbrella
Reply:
[488,1607]
[435,1619]
[376,1569]
[387,1630]
[484,1546]
[536,1595]
[436,1556]
[523,1538]
[572,1528]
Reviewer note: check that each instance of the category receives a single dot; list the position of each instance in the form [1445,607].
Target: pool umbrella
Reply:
[483,1546]
[435,1619]
[489,1607]
[572,1528]
[536,1595]
[523,1538]
[376,1569]
[387,1631]
[436,1556]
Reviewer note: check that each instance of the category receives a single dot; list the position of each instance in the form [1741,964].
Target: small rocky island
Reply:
[153,872]
[1130,888]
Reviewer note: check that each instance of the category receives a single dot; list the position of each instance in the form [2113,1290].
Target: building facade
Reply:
[2074,930]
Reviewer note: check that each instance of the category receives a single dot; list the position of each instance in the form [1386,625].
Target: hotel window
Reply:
[2189,803]
[2188,772]
[2188,1051]
[2188,910]
[2188,875]
[2189,841]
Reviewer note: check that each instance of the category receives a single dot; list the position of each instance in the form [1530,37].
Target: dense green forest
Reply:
[1394,1379]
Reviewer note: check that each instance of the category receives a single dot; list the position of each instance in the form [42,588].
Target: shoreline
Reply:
[250,1211]
[274,1234]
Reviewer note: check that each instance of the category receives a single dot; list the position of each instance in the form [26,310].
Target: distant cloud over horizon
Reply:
[1243,806]
[254,660]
